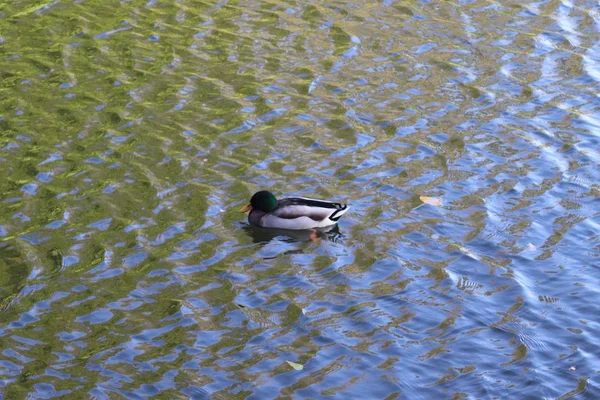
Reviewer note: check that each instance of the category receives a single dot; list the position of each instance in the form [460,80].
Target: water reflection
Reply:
[130,135]
[265,235]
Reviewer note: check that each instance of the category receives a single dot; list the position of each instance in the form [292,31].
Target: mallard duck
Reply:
[294,213]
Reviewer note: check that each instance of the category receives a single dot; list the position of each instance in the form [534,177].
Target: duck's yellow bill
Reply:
[246,208]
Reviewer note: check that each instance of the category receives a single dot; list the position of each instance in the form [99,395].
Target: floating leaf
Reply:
[433,201]
[531,247]
[296,366]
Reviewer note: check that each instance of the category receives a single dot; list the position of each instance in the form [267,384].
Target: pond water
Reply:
[131,133]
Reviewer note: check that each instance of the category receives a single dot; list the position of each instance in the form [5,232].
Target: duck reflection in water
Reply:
[265,235]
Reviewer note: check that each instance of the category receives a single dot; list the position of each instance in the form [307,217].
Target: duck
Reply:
[292,213]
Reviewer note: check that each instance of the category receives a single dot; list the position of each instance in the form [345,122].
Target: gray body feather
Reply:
[299,213]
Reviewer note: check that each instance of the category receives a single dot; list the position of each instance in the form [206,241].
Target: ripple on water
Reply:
[132,138]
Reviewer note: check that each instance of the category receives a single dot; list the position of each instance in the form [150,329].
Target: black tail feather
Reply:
[335,216]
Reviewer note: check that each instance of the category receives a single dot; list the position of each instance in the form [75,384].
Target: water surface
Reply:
[132,131]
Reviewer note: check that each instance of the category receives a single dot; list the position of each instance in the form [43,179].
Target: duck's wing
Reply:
[317,210]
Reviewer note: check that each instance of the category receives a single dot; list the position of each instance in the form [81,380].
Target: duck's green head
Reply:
[264,201]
